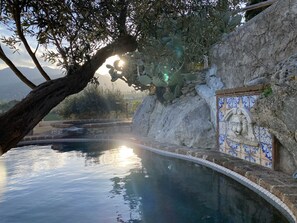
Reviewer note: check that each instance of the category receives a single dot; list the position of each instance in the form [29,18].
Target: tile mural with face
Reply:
[238,135]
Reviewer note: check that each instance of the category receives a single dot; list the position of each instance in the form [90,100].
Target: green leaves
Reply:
[145,80]
[177,45]
[158,82]
[168,96]
[93,102]
[267,91]
[109,66]
[235,21]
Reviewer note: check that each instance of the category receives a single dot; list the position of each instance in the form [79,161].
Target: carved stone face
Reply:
[236,127]
[240,127]
[236,122]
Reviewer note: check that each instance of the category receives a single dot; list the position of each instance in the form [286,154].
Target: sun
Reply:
[103,70]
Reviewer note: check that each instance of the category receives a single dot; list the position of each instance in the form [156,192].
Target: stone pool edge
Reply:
[277,188]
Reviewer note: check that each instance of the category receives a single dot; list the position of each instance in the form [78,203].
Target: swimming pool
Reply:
[112,182]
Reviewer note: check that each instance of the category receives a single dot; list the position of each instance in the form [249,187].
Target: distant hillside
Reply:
[8,77]
[11,88]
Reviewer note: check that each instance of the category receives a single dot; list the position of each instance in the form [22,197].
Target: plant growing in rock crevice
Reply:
[267,91]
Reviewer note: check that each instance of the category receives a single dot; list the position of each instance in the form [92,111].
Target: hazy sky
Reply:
[22,59]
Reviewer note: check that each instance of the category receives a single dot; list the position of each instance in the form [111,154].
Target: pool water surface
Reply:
[112,182]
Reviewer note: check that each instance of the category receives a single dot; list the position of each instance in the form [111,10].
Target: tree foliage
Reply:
[92,102]
[177,45]
[69,31]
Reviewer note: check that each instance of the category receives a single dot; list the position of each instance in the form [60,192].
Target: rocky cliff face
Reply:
[255,53]
[277,111]
[185,122]
[248,56]
[260,52]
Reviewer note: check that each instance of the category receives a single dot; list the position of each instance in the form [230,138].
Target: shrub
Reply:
[93,102]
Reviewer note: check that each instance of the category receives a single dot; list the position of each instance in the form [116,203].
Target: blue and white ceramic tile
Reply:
[234,148]
[221,102]
[266,163]
[221,139]
[250,153]
[266,151]
[265,136]
[245,101]
[222,128]
[233,102]
[261,154]
[257,132]
[249,157]
[221,116]
[253,99]
[252,150]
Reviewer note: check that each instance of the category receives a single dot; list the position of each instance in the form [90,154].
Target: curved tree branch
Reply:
[121,19]
[15,69]
[122,45]
[256,6]
[17,18]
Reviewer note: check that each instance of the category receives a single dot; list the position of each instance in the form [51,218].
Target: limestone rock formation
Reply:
[278,112]
[142,117]
[186,122]
[208,90]
[249,54]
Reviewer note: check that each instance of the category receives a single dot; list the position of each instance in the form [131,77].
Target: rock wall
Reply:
[277,111]
[249,55]
[260,52]
[246,57]
[185,122]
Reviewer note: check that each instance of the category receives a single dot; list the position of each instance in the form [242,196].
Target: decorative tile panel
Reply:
[237,134]
[246,101]
[232,102]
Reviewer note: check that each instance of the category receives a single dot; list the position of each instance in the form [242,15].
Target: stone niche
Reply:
[237,133]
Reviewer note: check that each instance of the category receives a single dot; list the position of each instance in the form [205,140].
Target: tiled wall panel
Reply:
[237,134]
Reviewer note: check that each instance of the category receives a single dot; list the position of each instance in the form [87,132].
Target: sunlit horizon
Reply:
[103,70]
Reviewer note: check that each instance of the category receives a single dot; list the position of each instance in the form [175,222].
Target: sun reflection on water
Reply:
[123,156]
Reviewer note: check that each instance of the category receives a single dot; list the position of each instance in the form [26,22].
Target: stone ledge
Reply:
[281,185]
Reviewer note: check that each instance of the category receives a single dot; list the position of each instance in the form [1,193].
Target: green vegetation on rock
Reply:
[178,44]
[267,91]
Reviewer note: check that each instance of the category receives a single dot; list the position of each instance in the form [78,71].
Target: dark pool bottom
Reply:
[85,182]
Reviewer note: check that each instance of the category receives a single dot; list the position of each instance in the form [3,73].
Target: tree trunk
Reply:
[23,117]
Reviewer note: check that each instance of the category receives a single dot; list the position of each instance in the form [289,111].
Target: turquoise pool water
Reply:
[114,183]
